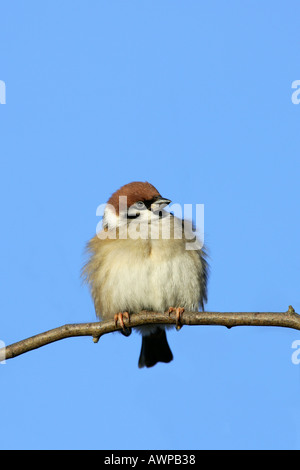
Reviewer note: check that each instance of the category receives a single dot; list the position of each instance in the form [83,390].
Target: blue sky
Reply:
[194,97]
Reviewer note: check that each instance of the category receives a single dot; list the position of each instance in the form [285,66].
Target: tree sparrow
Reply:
[140,261]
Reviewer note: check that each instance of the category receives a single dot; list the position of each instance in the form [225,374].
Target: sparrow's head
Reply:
[132,201]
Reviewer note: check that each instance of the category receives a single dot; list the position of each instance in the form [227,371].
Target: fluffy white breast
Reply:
[150,274]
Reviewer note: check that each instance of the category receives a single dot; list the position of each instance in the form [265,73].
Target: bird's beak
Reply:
[160,203]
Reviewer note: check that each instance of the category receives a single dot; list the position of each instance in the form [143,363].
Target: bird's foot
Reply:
[178,311]
[119,317]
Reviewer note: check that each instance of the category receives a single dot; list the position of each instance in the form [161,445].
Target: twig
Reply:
[289,319]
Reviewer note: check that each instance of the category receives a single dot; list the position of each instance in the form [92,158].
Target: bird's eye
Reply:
[140,205]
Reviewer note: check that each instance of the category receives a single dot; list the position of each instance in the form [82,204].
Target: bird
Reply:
[139,260]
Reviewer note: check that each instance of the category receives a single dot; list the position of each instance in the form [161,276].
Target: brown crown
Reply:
[135,191]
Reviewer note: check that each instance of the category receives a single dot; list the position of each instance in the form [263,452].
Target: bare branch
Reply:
[289,319]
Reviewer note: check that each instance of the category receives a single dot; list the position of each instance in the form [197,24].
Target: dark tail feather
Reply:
[155,348]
